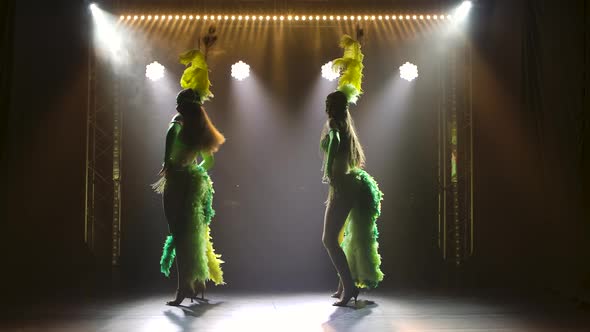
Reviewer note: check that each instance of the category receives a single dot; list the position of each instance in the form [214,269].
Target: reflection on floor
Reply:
[376,311]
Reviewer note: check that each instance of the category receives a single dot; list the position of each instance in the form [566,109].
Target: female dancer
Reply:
[354,201]
[187,188]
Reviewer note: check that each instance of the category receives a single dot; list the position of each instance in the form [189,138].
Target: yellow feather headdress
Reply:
[350,66]
[196,75]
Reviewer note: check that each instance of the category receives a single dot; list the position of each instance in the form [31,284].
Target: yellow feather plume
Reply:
[350,66]
[196,75]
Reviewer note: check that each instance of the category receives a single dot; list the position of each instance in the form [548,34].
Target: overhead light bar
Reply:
[291,17]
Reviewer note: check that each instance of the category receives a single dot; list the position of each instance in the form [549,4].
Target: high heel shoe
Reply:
[346,298]
[180,296]
[336,294]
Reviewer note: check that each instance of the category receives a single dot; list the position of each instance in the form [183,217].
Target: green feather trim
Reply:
[205,264]
[168,255]
[350,66]
[360,235]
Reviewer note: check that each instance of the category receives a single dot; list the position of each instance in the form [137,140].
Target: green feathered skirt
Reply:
[359,235]
[188,192]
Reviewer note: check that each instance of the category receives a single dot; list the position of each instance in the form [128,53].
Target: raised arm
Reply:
[333,144]
[208,160]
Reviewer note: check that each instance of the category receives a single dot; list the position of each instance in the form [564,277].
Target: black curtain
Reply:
[556,100]
[585,133]
[6,71]
[6,45]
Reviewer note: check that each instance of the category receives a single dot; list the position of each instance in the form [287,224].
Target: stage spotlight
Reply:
[329,73]
[463,10]
[408,71]
[240,70]
[154,71]
[107,37]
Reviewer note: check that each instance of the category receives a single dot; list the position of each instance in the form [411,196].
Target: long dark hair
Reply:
[198,132]
[339,118]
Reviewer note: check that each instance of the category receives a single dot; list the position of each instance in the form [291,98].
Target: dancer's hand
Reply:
[162,172]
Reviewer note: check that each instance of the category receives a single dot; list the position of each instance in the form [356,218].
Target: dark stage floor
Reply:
[228,311]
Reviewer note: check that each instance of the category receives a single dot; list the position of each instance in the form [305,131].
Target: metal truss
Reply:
[455,157]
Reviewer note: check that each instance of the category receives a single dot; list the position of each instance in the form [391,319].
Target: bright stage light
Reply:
[463,10]
[329,73]
[240,70]
[154,71]
[106,35]
[408,71]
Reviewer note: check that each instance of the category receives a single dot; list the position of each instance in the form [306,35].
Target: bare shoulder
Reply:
[177,119]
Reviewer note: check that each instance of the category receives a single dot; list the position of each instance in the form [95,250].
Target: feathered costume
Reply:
[187,181]
[358,237]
